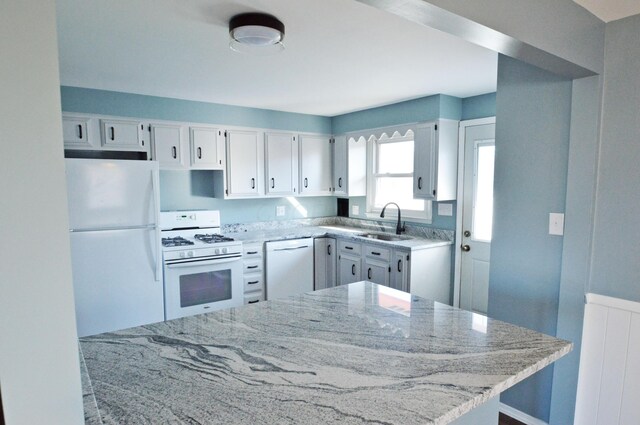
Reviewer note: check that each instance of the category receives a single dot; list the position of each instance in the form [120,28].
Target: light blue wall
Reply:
[616,252]
[576,250]
[481,106]
[533,112]
[91,101]
[416,110]
[181,190]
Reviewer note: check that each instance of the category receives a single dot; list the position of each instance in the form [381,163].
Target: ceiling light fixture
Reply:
[256,33]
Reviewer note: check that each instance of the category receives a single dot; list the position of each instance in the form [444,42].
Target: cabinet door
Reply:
[325,263]
[376,272]
[400,271]
[166,142]
[340,161]
[205,147]
[75,131]
[332,262]
[315,165]
[242,163]
[122,134]
[357,168]
[281,150]
[424,161]
[349,267]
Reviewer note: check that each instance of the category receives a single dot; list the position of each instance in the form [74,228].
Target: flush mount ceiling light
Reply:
[256,33]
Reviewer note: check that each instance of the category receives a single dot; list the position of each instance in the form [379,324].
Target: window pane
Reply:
[395,157]
[483,207]
[398,190]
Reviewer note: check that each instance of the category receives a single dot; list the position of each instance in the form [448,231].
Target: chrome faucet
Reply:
[399,226]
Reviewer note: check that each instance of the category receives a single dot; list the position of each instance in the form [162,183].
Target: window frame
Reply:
[373,141]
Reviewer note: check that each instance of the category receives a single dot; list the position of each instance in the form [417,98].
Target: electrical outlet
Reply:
[280,210]
[355,209]
[445,210]
[556,224]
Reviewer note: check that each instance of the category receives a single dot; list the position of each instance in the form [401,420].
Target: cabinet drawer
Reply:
[350,247]
[252,266]
[254,298]
[373,251]
[252,251]
[253,283]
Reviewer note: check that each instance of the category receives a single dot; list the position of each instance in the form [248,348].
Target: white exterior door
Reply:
[477,216]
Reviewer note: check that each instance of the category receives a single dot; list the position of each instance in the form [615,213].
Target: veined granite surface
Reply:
[354,354]
[417,237]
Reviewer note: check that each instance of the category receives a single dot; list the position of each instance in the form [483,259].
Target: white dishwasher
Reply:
[289,267]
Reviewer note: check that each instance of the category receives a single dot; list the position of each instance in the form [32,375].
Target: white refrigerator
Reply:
[115,243]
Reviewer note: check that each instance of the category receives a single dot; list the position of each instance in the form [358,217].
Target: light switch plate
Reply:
[280,210]
[445,209]
[355,209]
[556,224]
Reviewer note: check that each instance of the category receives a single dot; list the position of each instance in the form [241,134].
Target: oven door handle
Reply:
[192,263]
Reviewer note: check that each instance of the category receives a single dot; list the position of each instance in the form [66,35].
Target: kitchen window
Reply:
[390,174]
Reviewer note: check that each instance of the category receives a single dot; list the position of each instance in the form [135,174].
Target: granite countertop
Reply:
[354,354]
[345,232]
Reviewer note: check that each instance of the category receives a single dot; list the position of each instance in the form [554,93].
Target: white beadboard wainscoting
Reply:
[609,379]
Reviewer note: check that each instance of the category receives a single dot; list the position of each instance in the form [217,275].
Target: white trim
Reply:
[460,193]
[520,416]
[617,303]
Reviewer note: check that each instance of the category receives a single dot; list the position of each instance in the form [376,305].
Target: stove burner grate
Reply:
[212,238]
[176,241]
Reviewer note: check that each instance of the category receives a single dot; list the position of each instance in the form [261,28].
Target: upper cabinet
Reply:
[123,134]
[166,143]
[349,166]
[435,169]
[315,165]
[99,133]
[242,164]
[281,163]
[207,147]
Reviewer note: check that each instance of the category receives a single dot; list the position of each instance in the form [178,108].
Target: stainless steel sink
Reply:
[385,237]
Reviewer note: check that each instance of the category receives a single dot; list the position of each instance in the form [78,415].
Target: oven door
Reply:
[198,286]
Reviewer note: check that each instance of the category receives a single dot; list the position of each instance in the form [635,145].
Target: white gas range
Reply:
[202,269]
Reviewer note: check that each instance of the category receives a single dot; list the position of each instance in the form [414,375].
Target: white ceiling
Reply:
[340,55]
[611,10]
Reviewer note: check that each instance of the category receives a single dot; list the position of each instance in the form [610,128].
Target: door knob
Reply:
[465,248]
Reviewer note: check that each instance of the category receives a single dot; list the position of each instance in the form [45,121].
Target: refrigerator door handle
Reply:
[157,272]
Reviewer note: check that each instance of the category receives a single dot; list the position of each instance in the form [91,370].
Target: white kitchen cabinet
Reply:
[281,163]
[166,143]
[207,147]
[400,270]
[253,274]
[315,165]
[325,263]
[75,131]
[349,166]
[122,134]
[242,164]
[349,262]
[435,169]
[376,266]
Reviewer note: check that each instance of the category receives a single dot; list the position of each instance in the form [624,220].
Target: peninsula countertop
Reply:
[353,354]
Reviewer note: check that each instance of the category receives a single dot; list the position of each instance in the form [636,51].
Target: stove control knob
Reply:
[224,250]
[190,254]
[182,254]
[217,251]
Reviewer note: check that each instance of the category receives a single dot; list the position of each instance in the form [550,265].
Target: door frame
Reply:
[462,132]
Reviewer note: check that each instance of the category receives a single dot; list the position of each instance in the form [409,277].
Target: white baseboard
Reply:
[520,416]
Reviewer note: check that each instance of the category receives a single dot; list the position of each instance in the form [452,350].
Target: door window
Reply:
[483,191]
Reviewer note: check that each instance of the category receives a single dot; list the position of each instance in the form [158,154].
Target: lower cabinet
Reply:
[253,266]
[425,272]
[325,263]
